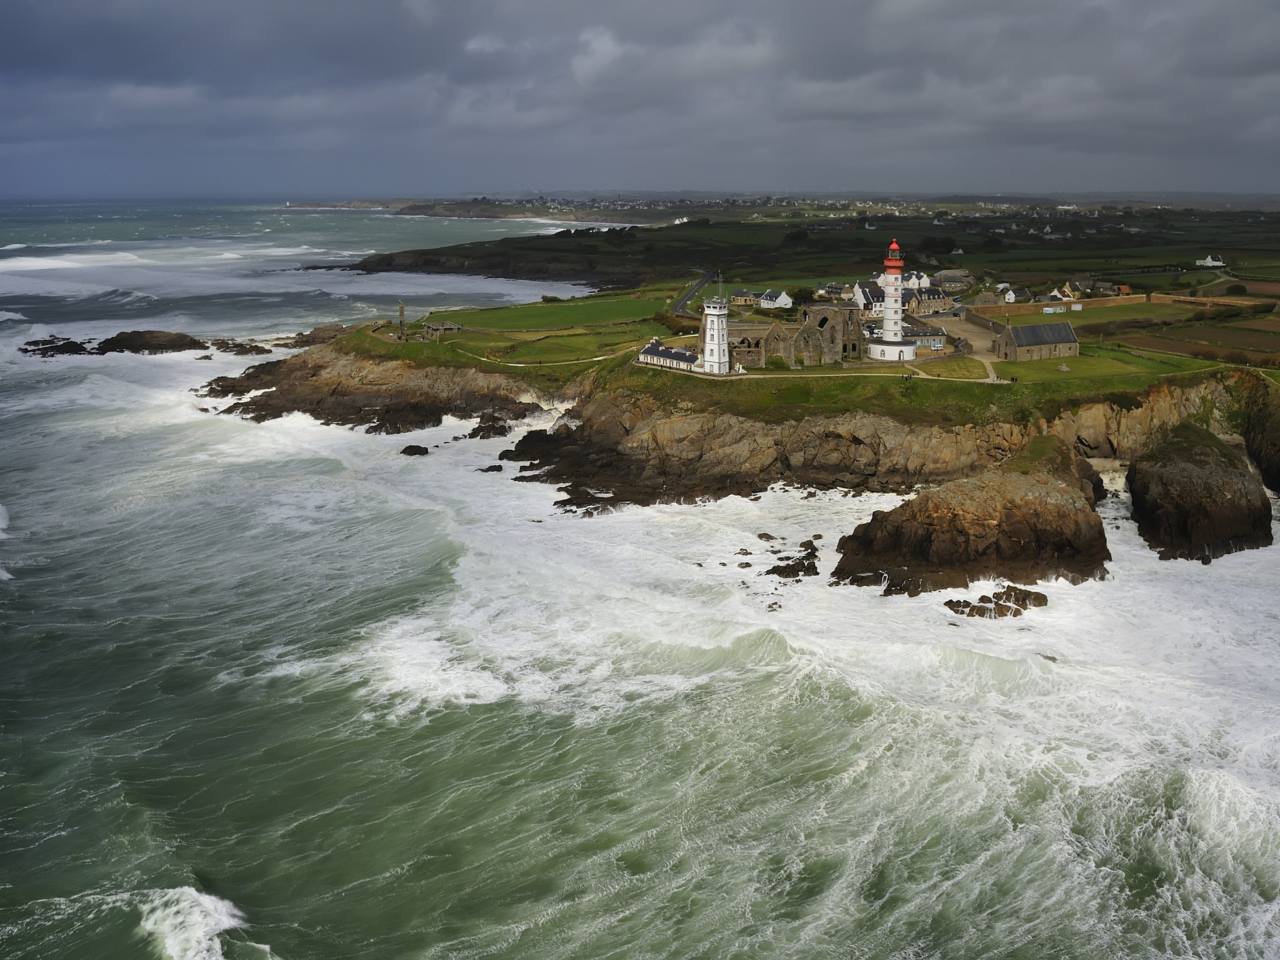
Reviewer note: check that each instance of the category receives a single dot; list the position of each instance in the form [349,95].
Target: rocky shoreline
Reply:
[1000,499]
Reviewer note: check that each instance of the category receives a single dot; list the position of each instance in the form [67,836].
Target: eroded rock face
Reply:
[1004,524]
[386,397]
[1196,499]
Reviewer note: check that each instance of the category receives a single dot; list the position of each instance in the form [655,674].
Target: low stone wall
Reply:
[1027,309]
[1203,303]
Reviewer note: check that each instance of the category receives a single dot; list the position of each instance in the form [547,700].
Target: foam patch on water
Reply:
[185,923]
[10,315]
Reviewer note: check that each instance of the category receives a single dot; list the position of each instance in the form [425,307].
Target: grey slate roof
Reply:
[1042,334]
[678,354]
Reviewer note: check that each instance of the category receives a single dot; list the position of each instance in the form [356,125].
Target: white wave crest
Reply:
[10,315]
[14,246]
[185,923]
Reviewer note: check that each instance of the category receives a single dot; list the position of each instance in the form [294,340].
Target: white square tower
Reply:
[715,335]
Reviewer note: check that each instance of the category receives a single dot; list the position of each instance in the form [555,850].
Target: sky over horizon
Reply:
[324,99]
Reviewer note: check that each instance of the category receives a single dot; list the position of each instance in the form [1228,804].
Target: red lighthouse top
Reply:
[894,259]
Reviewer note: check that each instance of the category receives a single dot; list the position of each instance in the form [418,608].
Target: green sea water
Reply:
[276,690]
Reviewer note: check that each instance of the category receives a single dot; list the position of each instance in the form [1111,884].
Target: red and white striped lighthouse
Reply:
[890,345]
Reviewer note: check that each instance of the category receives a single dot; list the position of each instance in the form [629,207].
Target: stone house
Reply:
[744,298]
[1036,341]
[925,301]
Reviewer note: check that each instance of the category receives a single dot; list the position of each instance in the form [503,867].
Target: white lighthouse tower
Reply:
[890,345]
[715,335]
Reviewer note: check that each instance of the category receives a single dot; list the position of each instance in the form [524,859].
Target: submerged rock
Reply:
[240,348]
[414,450]
[489,426]
[1009,524]
[1195,498]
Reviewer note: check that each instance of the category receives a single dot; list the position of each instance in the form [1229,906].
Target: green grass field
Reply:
[965,368]
[585,311]
[1097,363]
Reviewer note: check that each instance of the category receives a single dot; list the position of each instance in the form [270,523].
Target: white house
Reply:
[775,300]
[911,280]
[656,354]
[869,297]
[1212,260]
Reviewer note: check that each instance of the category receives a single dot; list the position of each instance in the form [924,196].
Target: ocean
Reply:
[275,690]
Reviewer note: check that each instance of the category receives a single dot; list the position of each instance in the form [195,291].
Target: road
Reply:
[679,305]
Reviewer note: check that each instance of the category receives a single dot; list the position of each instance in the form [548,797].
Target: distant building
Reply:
[433,330]
[953,281]
[869,298]
[1212,260]
[744,298]
[775,300]
[656,354]
[926,302]
[1036,341]
[986,300]
[1018,295]
[926,338]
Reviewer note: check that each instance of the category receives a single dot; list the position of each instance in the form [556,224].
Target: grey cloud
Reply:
[427,96]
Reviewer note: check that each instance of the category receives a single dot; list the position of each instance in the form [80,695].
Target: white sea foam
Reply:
[10,315]
[14,246]
[185,923]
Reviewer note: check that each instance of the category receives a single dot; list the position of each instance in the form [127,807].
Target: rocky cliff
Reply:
[387,396]
[1033,519]
[1195,498]
[644,453]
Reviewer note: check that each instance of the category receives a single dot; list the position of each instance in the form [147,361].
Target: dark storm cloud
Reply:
[427,96]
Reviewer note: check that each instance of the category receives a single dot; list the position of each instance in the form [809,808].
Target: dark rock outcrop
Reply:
[54,347]
[240,348]
[490,425]
[1260,403]
[414,450]
[385,397]
[1015,525]
[1196,499]
[315,337]
[1009,602]
[804,564]
[150,341]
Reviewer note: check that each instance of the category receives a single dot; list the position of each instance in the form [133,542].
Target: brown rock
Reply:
[1195,498]
[1006,524]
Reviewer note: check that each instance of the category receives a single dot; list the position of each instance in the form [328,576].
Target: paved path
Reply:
[679,305]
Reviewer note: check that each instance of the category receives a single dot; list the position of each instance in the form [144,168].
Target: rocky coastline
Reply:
[1001,499]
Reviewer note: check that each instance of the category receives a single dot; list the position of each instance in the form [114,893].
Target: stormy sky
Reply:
[333,98]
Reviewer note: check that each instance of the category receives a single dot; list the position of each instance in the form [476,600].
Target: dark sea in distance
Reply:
[274,690]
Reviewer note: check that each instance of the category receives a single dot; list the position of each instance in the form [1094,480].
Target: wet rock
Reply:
[495,468]
[316,336]
[1195,498]
[150,342]
[766,536]
[802,565]
[54,347]
[990,610]
[1021,598]
[240,348]
[1007,524]
[489,426]
[413,450]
